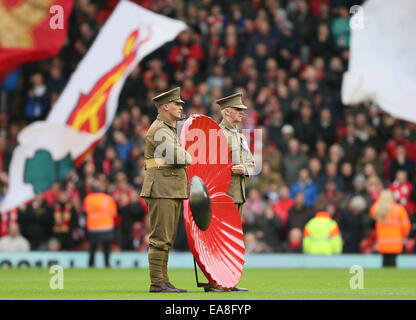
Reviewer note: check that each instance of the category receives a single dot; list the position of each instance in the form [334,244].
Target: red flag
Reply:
[31,30]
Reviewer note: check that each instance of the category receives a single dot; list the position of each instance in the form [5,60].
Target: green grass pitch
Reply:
[266,284]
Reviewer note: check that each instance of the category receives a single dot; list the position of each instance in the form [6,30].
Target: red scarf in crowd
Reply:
[61,220]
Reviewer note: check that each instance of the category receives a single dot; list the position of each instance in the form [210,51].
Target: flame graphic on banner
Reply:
[90,113]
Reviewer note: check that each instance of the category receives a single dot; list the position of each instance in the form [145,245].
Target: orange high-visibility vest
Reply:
[391,232]
[101,210]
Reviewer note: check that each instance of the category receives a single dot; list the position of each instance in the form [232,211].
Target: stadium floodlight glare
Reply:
[212,221]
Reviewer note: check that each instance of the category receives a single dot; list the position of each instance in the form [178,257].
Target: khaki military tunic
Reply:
[171,181]
[240,154]
[163,189]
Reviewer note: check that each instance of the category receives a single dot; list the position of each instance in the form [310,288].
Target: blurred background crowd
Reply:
[288,58]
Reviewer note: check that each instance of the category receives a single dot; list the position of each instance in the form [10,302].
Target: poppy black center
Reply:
[200,203]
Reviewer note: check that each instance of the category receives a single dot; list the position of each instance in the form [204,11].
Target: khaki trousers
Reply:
[240,208]
[164,218]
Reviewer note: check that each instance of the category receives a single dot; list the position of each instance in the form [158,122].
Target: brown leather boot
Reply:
[170,285]
[163,288]
[212,288]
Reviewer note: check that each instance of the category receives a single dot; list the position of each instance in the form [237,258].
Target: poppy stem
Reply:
[198,284]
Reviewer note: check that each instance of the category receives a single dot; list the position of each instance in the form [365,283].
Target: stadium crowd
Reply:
[288,57]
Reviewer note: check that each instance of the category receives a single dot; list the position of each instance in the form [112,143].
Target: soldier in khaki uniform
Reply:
[165,186]
[232,109]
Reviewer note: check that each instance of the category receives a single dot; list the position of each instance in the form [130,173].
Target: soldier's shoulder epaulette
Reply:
[153,127]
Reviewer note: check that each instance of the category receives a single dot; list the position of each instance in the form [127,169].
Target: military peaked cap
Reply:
[173,95]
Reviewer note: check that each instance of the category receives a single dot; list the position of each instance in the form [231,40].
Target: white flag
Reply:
[47,149]
[44,155]
[382,64]
[90,99]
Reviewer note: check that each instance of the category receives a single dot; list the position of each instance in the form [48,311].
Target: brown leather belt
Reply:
[158,163]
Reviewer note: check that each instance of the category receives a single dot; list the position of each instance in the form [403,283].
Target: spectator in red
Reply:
[51,195]
[192,69]
[73,193]
[402,190]
[211,43]
[398,138]
[8,218]
[283,205]
[324,13]
[64,221]
[321,150]
[251,117]
[270,73]
[123,192]
[188,89]
[316,5]
[216,17]
[12,135]
[154,73]
[109,156]
[231,43]
[294,241]
[185,48]
[373,186]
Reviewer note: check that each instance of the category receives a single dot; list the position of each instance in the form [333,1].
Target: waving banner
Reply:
[31,30]
[382,65]
[88,103]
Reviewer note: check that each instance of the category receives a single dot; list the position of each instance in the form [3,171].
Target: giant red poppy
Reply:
[212,221]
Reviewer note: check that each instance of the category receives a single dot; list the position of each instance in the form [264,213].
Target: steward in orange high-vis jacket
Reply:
[100,209]
[392,226]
